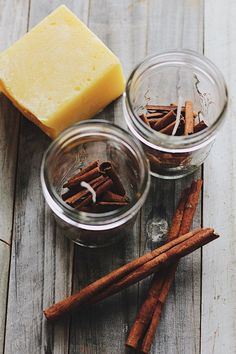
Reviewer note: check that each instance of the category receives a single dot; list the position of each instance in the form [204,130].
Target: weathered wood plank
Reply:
[9,116]
[4,266]
[9,126]
[42,258]
[103,329]
[219,277]
[171,25]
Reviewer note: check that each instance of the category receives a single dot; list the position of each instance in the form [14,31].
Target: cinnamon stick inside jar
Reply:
[163,119]
[96,188]
[171,120]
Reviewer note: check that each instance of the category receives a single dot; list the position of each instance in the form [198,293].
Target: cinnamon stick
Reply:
[145,313]
[154,115]
[169,129]
[189,119]
[102,188]
[162,281]
[86,177]
[84,170]
[154,107]
[199,127]
[108,169]
[155,319]
[113,197]
[153,121]
[133,271]
[165,121]
[144,118]
[94,184]
[166,161]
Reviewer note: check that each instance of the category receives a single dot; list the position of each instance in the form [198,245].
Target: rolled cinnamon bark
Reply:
[108,169]
[86,177]
[165,121]
[199,127]
[168,129]
[162,281]
[94,184]
[102,188]
[155,319]
[144,119]
[113,197]
[132,272]
[154,115]
[189,121]
[156,107]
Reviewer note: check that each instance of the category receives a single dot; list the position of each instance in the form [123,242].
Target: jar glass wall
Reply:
[175,77]
[76,148]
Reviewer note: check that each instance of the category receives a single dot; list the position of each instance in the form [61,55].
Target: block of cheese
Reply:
[60,73]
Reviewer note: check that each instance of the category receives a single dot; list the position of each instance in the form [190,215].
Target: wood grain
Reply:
[219,276]
[9,127]
[4,266]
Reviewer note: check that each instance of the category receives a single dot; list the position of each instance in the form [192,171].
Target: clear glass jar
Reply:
[77,147]
[172,77]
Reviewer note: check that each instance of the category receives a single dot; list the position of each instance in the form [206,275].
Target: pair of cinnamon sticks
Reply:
[96,188]
[144,328]
[159,259]
[132,272]
[163,119]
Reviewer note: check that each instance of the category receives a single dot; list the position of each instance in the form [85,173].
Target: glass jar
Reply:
[174,77]
[76,148]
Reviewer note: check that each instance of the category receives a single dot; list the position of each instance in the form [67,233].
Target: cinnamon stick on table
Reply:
[132,272]
[150,312]
[185,225]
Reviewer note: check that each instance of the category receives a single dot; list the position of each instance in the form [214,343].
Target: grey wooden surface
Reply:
[38,264]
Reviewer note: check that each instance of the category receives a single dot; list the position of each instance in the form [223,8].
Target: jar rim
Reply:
[157,140]
[95,221]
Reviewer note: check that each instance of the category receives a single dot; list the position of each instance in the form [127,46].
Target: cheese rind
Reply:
[60,73]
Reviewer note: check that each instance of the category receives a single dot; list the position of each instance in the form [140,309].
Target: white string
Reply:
[90,189]
[177,122]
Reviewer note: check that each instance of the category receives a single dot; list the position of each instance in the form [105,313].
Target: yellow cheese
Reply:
[60,73]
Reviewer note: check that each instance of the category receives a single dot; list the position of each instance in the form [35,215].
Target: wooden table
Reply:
[39,265]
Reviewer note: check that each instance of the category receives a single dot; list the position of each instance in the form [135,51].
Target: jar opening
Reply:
[170,70]
[83,141]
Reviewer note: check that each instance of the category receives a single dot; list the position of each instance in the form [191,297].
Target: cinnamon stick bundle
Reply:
[150,312]
[163,119]
[132,272]
[102,182]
